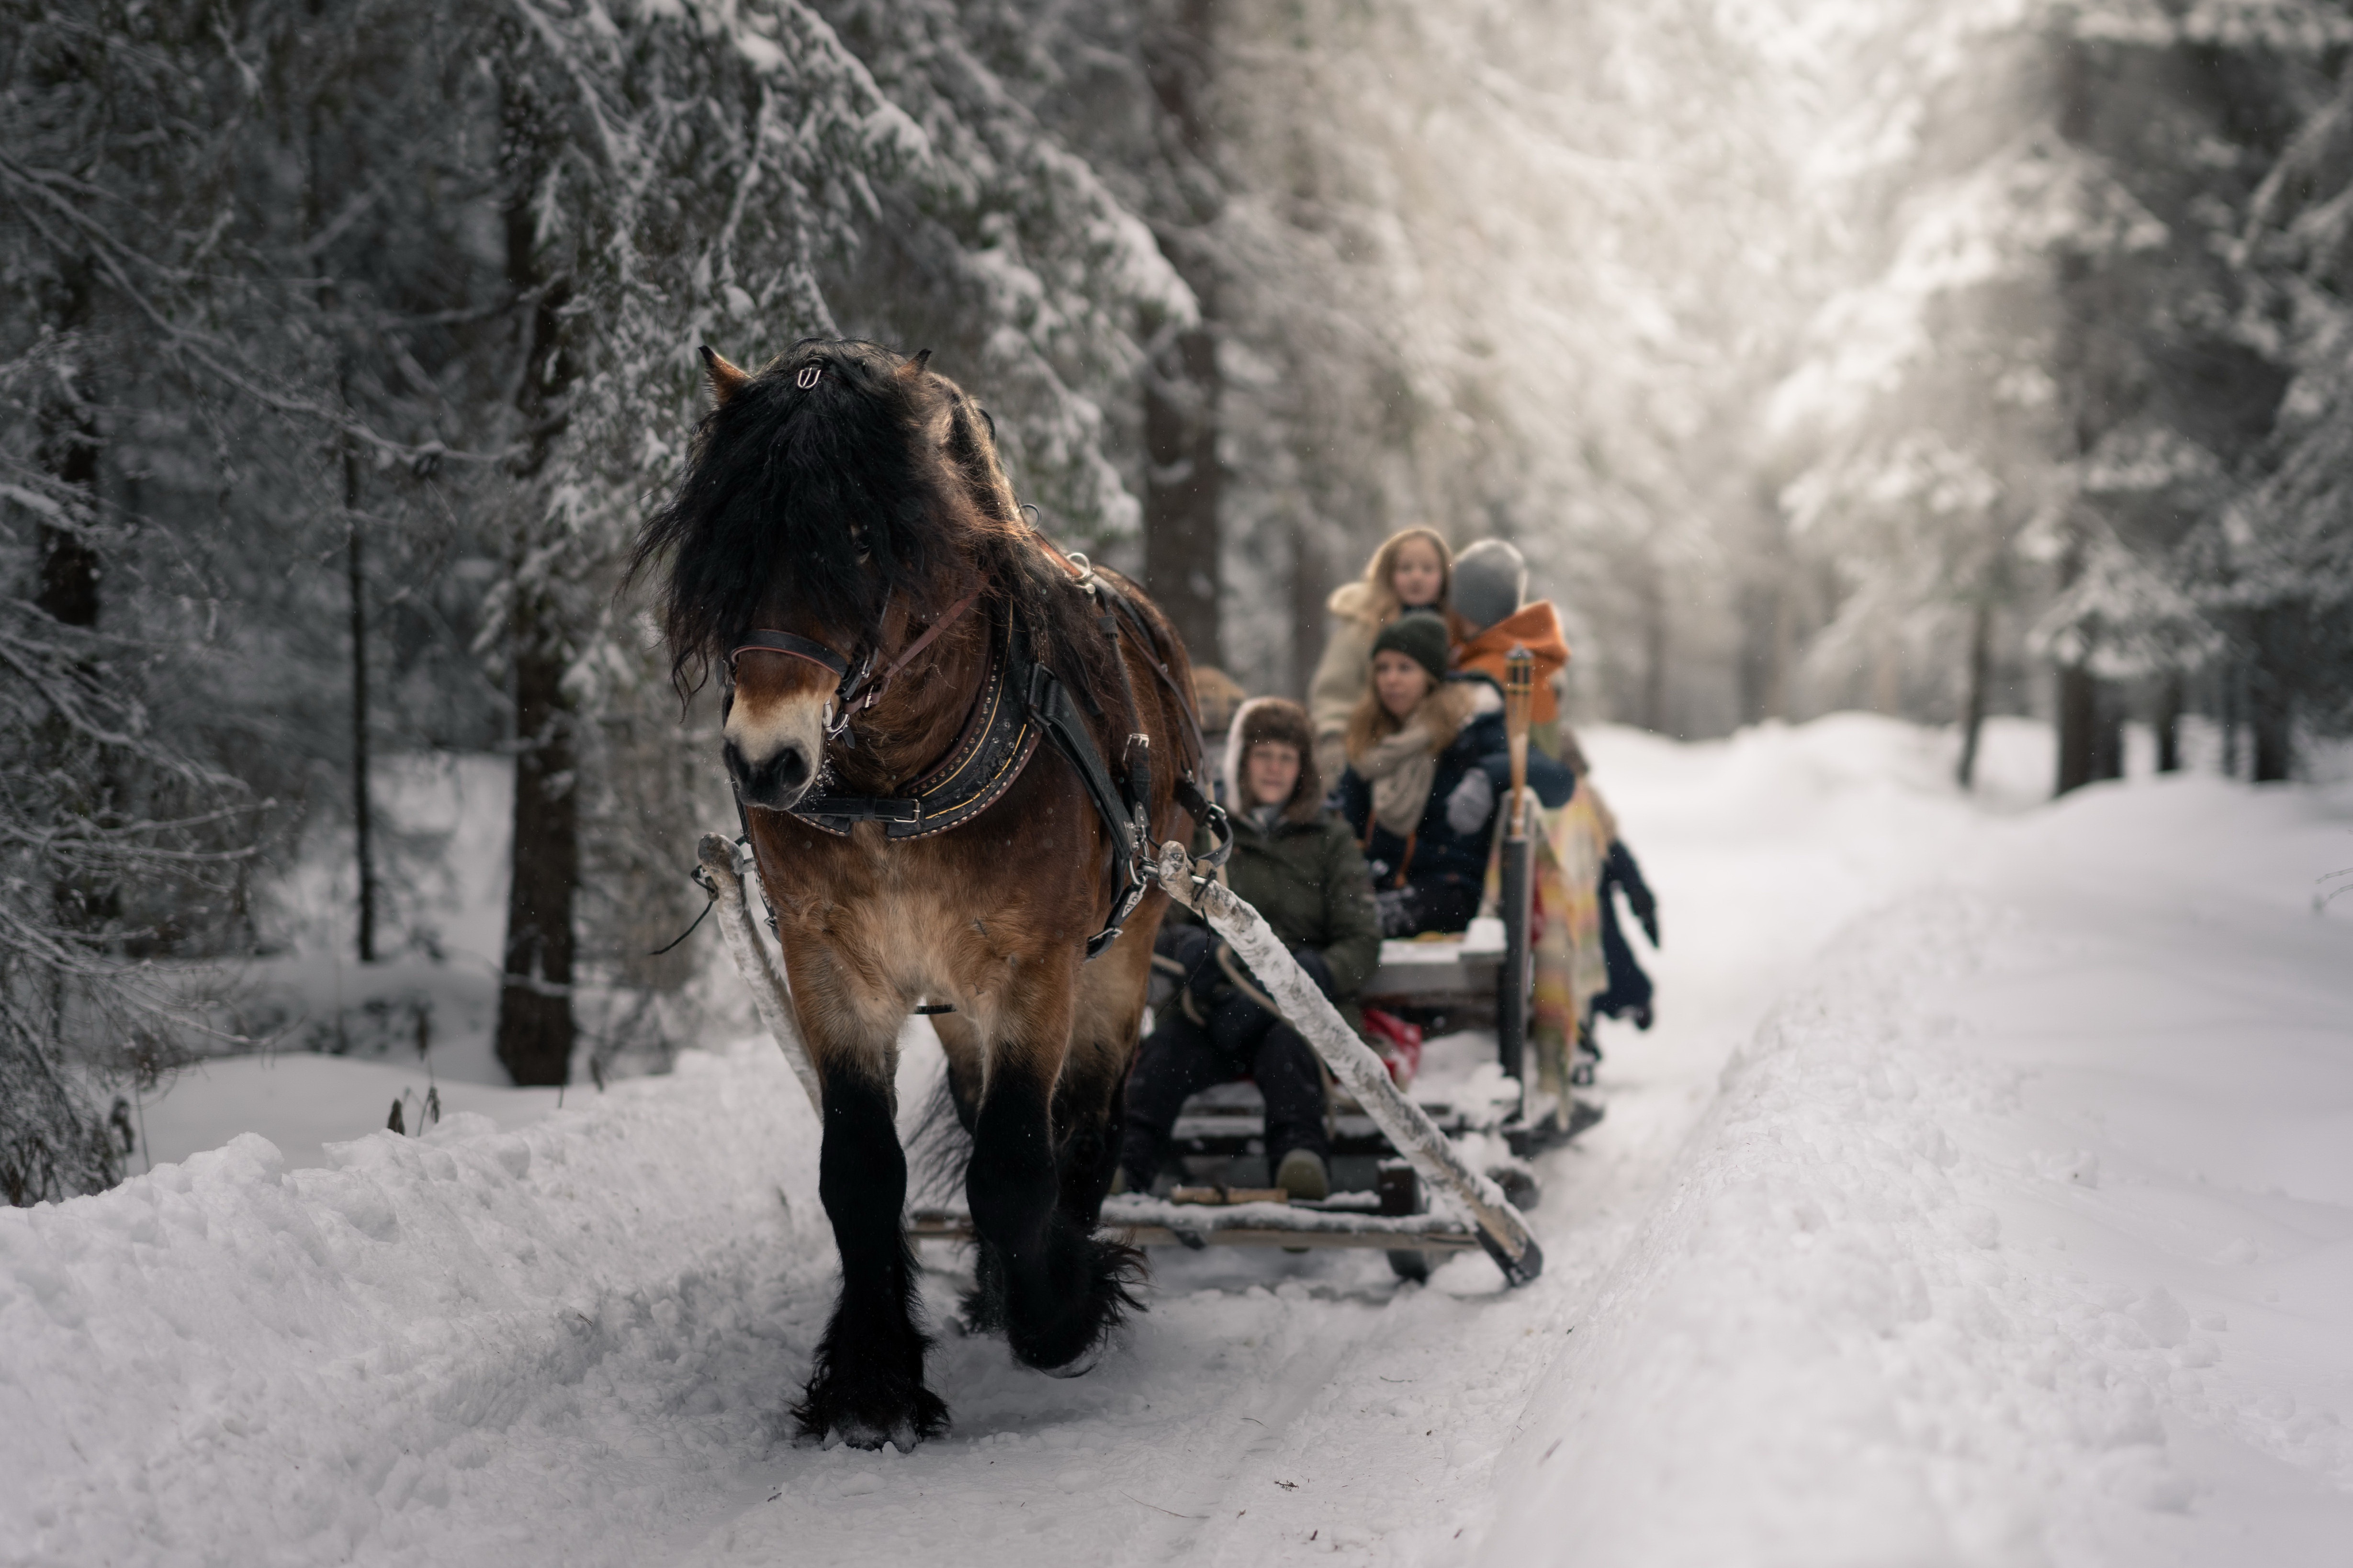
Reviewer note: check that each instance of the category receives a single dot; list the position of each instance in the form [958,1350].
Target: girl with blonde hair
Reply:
[1413,570]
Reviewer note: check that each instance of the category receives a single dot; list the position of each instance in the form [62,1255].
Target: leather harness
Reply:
[1019,703]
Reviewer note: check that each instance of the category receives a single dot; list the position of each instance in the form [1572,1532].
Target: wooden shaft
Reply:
[763,975]
[1519,708]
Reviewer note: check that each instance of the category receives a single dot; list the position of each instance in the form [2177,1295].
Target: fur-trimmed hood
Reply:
[1353,601]
[1274,719]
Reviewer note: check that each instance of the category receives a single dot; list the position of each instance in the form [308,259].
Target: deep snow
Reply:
[1983,1197]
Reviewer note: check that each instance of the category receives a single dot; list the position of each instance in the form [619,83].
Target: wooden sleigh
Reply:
[1411,1146]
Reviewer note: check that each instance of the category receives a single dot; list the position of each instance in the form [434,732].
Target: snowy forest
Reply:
[1947,361]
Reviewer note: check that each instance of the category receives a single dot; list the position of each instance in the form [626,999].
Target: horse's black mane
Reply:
[820,495]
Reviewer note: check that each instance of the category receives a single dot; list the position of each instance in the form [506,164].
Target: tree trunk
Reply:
[68,591]
[1309,587]
[1887,678]
[68,594]
[1973,705]
[2167,721]
[2107,732]
[314,204]
[362,814]
[1183,488]
[1183,485]
[535,1025]
[2078,718]
[2271,698]
[1652,594]
[1769,636]
[536,1022]
[68,587]
[2226,699]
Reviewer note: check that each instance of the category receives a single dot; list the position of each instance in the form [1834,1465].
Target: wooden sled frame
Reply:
[1489,1221]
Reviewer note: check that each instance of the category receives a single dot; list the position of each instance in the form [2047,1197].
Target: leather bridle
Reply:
[855,690]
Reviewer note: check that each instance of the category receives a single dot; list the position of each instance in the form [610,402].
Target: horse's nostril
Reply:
[775,783]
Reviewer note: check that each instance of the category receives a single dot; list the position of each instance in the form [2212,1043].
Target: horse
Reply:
[952,747]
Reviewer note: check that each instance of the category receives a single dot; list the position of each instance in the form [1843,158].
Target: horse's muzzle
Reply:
[777,783]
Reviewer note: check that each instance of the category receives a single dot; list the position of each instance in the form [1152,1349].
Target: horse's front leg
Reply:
[1055,1288]
[867,1385]
[1091,1097]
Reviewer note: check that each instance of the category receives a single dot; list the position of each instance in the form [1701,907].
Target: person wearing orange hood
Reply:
[1491,618]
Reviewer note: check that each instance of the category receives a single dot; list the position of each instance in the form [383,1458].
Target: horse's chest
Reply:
[878,901]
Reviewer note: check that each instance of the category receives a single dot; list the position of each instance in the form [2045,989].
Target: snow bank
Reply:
[1967,1263]
[229,1361]
[306,1103]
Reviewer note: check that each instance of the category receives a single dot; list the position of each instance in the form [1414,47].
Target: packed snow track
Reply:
[1981,1197]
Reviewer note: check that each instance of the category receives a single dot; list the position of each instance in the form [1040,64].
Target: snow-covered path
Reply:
[2021,1232]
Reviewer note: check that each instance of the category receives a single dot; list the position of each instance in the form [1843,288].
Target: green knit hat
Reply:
[1421,635]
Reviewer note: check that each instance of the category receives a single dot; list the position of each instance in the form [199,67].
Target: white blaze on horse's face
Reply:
[775,732]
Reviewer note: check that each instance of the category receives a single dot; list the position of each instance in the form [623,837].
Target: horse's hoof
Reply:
[858,1434]
[833,1417]
[1078,1367]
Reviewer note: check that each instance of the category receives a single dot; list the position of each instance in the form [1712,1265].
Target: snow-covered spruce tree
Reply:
[1922,424]
[2276,567]
[698,173]
[2045,351]
[2171,381]
[119,853]
[1454,278]
[1136,85]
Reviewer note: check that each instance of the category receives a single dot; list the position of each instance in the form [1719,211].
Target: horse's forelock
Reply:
[807,502]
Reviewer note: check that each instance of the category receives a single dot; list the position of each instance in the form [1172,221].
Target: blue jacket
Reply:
[1437,853]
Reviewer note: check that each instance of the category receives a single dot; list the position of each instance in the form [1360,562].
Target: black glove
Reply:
[1185,954]
[1639,897]
[1398,910]
[1318,969]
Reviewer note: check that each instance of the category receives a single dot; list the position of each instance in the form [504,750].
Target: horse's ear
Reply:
[726,379]
[915,366]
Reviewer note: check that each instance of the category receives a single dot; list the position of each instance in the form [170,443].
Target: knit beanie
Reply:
[1491,581]
[1421,635]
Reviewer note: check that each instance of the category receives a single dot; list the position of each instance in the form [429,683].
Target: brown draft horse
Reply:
[845,548]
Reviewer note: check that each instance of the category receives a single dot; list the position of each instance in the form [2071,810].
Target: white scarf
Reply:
[1401,769]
